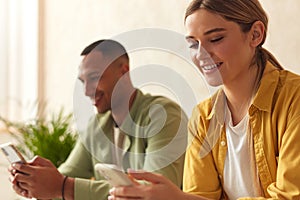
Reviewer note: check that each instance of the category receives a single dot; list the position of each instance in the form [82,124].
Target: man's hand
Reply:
[38,178]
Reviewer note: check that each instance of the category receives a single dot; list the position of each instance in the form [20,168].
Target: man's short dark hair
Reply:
[110,48]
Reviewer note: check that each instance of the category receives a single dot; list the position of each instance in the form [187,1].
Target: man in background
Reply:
[131,130]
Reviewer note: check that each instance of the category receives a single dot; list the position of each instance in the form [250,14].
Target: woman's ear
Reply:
[257,33]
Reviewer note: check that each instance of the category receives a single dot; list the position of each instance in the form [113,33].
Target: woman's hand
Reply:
[38,178]
[160,188]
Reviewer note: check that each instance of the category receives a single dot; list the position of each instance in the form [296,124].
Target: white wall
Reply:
[70,25]
[18,58]
[283,38]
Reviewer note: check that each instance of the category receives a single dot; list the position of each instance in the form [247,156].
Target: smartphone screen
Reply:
[11,153]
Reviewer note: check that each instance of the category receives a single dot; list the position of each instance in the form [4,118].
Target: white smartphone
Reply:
[113,174]
[11,153]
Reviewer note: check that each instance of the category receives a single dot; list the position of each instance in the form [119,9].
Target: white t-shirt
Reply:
[240,174]
[118,144]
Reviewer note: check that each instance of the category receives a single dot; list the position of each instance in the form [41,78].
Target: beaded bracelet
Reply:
[63,188]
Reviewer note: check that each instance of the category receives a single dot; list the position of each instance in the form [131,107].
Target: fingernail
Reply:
[112,191]
[23,193]
[135,171]
[131,170]
[15,165]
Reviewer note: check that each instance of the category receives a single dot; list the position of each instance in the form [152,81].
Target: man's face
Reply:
[99,77]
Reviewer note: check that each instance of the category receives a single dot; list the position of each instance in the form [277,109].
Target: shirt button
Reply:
[223,143]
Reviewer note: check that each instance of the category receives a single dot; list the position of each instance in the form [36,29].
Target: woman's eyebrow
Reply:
[214,30]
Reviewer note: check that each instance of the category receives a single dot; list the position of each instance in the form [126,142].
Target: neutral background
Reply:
[67,26]
[71,25]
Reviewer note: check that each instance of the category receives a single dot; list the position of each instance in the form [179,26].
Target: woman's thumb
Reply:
[147,176]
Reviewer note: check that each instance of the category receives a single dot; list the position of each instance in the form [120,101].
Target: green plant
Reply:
[52,139]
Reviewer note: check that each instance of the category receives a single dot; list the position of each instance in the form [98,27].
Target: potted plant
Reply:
[52,139]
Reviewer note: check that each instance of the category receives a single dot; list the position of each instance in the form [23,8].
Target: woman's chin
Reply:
[214,82]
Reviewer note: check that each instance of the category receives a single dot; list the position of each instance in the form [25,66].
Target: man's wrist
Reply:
[69,188]
[63,187]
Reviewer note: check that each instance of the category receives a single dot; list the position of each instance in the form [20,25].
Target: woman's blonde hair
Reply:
[244,13]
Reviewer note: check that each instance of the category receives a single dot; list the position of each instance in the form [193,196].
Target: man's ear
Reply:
[257,33]
[124,67]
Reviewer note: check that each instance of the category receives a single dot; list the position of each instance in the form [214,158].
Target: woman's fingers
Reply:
[120,198]
[124,192]
[148,176]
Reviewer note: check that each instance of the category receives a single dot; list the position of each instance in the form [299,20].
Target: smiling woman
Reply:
[244,138]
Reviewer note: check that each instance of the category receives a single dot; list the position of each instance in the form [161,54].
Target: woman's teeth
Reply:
[210,67]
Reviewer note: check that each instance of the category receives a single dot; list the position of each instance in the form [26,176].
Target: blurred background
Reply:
[41,41]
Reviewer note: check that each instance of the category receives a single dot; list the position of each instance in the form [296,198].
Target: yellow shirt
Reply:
[274,118]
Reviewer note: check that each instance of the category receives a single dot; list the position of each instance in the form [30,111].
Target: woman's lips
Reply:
[211,67]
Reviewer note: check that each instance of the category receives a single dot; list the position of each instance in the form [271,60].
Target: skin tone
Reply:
[160,189]
[223,54]
[109,88]
[232,52]
[34,180]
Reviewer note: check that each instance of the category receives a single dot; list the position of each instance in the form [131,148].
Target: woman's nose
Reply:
[202,53]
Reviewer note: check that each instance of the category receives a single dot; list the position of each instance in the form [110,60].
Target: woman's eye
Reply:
[193,46]
[217,39]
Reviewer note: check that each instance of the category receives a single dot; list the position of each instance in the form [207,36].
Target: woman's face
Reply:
[218,47]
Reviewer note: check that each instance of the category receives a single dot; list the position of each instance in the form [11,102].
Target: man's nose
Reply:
[89,90]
